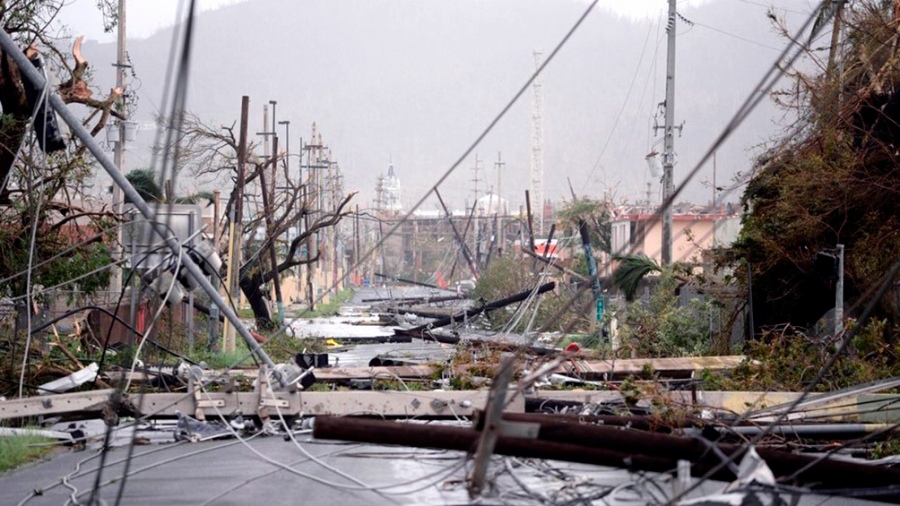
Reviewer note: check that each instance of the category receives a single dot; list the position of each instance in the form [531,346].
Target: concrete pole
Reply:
[115,284]
[669,154]
[213,308]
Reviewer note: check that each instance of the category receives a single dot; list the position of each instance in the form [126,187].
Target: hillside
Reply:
[415,82]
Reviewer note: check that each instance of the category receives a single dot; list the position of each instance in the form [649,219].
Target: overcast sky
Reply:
[147,16]
[414,95]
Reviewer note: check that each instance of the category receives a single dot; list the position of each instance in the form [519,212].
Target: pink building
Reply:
[692,233]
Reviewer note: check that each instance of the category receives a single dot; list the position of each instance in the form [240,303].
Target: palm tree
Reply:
[144,181]
[633,268]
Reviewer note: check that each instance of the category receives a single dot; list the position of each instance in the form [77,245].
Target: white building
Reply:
[491,204]
[390,191]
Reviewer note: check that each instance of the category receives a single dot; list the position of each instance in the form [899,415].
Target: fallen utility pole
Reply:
[463,246]
[416,300]
[829,431]
[443,322]
[34,77]
[551,263]
[87,405]
[607,446]
[408,281]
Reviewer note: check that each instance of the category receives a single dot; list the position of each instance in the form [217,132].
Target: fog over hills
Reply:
[416,81]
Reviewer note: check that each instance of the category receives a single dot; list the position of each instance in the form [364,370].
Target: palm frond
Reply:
[144,181]
[196,198]
[631,270]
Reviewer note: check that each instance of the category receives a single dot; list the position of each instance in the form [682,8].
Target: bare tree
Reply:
[210,154]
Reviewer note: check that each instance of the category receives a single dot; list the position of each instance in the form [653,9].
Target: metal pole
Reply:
[287,145]
[839,294]
[213,337]
[32,75]
[669,155]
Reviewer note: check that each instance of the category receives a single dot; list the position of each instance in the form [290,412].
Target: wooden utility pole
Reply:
[270,231]
[356,245]
[460,239]
[233,271]
[530,219]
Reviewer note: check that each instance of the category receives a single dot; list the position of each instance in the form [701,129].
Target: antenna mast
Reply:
[537,143]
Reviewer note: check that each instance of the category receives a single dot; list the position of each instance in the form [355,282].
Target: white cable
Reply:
[34,226]
[162,305]
[167,461]
[321,480]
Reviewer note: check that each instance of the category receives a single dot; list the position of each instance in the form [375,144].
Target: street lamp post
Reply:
[287,144]
[273,103]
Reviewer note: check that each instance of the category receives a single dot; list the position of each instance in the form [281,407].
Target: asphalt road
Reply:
[232,472]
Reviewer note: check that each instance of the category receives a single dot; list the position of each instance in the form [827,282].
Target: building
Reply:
[636,230]
[388,198]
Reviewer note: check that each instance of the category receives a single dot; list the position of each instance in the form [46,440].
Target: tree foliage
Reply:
[595,213]
[40,194]
[661,327]
[832,178]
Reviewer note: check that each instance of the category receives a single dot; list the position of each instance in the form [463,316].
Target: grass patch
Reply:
[17,450]
[328,308]
[281,348]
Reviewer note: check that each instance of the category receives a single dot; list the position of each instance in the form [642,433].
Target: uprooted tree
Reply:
[212,155]
[833,176]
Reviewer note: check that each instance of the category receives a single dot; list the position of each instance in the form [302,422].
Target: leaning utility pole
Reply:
[270,231]
[669,154]
[233,272]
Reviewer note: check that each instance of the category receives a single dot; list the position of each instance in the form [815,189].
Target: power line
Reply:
[723,32]
[468,151]
[624,104]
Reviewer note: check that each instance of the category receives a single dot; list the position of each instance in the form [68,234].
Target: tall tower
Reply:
[537,144]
